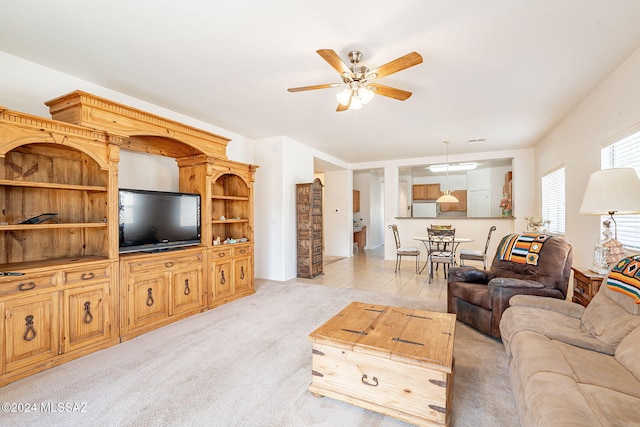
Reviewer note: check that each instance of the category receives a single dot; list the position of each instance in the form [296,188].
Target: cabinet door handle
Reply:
[221,254]
[26,286]
[88,276]
[222,279]
[243,251]
[150,297]
[168,264]
[88,317]
[372,383]
[242,272]
[30,331]
[187,291]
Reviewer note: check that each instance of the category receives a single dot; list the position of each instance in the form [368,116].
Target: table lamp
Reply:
[609,192]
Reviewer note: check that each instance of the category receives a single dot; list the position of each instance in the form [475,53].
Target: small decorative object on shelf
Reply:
[505,205]
[536,224]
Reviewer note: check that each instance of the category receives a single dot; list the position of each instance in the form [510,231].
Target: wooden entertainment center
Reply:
[65,291]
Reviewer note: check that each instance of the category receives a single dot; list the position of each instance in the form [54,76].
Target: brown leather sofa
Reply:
[479,297]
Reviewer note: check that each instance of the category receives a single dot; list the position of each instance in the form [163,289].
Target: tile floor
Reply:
[368,270]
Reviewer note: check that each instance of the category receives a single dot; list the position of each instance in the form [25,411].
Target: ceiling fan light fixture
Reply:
[343,96]
[365,95]
[356,102]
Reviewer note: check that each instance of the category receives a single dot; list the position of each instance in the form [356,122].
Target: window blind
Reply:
[625,153]
[553,200]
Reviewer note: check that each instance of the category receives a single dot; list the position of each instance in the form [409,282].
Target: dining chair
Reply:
[441,249]
[475,255]
[404,251]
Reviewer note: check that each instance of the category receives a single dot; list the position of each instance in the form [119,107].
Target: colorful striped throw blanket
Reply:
[522,248]
[625,277]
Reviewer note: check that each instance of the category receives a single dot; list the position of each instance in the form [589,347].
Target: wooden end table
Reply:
[586,284]
[391,360]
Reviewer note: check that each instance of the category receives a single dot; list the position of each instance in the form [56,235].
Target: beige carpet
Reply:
[247,363]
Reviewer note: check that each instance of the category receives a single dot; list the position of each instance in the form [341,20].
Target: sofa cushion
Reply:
[612,407]
[532,352]
[607,320]
[598,369]
[555,400]
[628,352]
[551,324]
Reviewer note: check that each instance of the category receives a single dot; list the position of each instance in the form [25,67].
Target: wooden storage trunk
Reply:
[395,361]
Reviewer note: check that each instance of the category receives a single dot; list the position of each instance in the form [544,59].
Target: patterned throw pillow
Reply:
[625,277]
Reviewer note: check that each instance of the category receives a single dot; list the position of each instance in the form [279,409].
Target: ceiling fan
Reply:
[359,81]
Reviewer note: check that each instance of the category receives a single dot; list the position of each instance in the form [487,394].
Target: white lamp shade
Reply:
[356,104]
[447,198]
[365,95]
[612,190]
[343,96]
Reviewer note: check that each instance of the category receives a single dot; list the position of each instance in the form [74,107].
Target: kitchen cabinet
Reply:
[426,191]
[356,201]
[461,206]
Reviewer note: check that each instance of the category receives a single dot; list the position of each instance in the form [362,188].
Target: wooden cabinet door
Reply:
[222,279]
[186,288]
[148,299]
[87,315]
[356,200]
[419,192]
[461,206]
[426,191]
[243,274]
[31,330]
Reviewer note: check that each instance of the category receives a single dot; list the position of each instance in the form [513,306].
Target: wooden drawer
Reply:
[419,395]
[27,284]
[87,274]
[243,250]
[164,263]
[220,254]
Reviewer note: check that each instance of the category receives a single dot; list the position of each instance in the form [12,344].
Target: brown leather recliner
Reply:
[479,297]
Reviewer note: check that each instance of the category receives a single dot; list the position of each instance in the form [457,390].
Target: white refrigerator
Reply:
[425,209]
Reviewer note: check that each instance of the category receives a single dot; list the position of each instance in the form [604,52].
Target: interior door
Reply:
[478,203]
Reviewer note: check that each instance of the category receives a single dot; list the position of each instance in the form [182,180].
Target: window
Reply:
[625,154]
[553,200]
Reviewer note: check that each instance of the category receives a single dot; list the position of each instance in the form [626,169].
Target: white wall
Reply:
[375,231]
[283,164]
[609,111]
[25,86]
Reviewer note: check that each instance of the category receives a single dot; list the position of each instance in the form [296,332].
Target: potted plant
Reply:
[505,205]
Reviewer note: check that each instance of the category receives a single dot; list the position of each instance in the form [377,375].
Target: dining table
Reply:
[456,242]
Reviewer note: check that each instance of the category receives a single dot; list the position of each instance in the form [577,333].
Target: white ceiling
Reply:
[503,70]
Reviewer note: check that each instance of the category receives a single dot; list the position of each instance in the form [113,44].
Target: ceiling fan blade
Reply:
[342,107]
[334,60]
[391,92]
[409,60]
[314,87]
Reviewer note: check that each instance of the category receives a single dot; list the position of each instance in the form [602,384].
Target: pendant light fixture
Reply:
[447,197]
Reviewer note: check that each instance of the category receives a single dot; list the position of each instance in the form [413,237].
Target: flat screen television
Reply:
[157,220]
